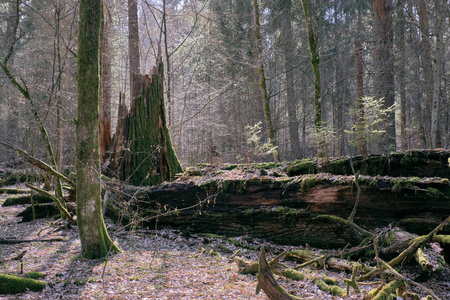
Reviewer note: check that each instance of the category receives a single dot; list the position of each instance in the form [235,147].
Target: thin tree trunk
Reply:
[105,91]
[315,63]
[360,120]
[133,44]
[427,67]
[95,241]
[262,84]
[291,99]
[401,104]
[168,66]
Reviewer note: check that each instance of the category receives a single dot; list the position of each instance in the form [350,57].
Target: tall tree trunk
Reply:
[361,140]
[95,242]
[168,66]
[427,68]
[133,44]
[383,65]
[291,99]
[438,58]
[401,127]
[262,83]
[105,91]
[315,63]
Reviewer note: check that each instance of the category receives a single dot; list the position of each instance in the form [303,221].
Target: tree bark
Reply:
[360,120]
[105,91]
[133,43]
[95,242]
[143,152]
[315,63]
[383,65]
[291,98]
[438,57]
[262,84]
[401,103]
[427,66]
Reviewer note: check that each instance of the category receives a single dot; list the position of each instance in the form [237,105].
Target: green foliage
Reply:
[254,144]
[325,138]
[375,117]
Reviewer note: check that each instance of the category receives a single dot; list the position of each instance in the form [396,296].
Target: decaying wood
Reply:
[267,282]
[142,151]
[57,202]
[288,210]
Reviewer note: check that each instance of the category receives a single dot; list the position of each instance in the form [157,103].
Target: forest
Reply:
[208,149]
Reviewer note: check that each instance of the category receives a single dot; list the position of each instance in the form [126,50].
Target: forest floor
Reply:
[154,264]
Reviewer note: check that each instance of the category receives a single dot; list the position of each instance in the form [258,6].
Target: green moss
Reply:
[373,183]
[443,239]
[212,236]
[229,167]
[397,187]
[249,211]
[434,193]
[35,275]
[445,180]
[80,282]
[13,285]
[266,166]
[410,160]
[294,274]
[241,187]
[301,167]
[307,183]
[341,166]
[332,289]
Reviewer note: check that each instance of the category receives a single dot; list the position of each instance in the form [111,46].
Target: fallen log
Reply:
[21,200]
[286,210]
[418,163]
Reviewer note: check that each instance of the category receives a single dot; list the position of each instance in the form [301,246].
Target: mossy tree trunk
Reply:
[262,83]
[149,157]
[95,242]
[153,158]
[315,63]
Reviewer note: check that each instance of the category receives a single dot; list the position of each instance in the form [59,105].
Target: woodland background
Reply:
[212,94]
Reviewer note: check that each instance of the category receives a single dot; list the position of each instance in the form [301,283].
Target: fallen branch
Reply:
[57,202]
[267,282]
[38,163]
[12,242]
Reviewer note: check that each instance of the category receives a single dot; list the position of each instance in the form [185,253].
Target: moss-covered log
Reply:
[10,284]
[413,163]
[237,199]
[20,200]
[150,157]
